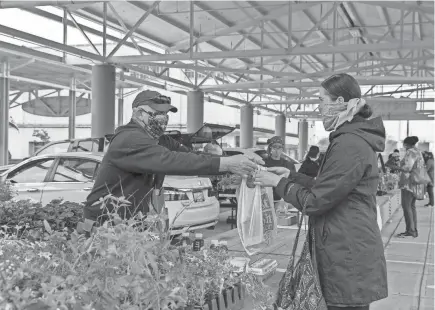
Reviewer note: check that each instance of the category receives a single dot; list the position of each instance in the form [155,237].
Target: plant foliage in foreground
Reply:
[125,264]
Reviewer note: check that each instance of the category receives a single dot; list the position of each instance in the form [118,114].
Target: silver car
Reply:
[70,176]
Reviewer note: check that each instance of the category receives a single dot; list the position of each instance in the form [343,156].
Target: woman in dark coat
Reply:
[310,166]
[341,201]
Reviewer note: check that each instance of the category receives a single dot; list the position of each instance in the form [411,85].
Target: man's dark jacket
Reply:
[309,167]
[341,204]
[135,164]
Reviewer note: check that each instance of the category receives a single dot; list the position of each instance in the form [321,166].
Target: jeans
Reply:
[430,193]
[349,308]
[409,211]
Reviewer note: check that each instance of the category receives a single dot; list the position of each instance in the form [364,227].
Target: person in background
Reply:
[393,161]
[310,166]
[275,147]
[428,158]
[408,188]
[341,201]
[139,157]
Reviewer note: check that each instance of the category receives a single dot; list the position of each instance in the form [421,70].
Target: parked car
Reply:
[76,145]
[70,175]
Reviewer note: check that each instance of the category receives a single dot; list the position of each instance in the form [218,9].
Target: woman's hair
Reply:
[345,85]
[412,140]
[313,152]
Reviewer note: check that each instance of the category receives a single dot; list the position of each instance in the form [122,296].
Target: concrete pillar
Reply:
[120,106]
[246,126]
[103,100]
[4,113]
[195,110]
[303,139]
[280,126]
[72,111]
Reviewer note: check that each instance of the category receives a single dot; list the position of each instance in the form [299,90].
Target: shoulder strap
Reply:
[295,245]
[381,159]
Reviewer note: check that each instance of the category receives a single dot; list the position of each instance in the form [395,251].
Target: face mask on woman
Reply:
[336,113]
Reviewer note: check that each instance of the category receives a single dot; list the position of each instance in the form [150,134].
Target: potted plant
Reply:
[125,264]
[43,139]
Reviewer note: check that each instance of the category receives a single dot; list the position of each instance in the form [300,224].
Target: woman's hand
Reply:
[280,171]
[266,179]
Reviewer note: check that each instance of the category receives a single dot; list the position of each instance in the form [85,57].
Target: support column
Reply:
[195,110]
[72,110]
[120,106]
[103,100]
[246,126]
[280,126]
[4,113]
[303,139]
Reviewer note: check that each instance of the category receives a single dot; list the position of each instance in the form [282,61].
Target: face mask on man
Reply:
[154,123]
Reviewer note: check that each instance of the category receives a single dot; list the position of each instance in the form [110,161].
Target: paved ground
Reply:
[410,263]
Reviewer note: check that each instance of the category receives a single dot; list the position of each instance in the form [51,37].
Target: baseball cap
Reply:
[155,100]
[276,139]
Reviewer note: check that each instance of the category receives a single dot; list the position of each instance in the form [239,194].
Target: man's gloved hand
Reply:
[242,165]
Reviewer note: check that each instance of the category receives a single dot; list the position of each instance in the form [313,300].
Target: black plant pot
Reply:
[230,299]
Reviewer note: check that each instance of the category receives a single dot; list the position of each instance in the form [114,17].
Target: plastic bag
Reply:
[256,218]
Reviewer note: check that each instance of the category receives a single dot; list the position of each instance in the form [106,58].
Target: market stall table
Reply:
[283,245]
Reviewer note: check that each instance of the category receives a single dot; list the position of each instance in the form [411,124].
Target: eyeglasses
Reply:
[157,113]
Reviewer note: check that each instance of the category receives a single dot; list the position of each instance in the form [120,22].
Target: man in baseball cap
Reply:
[275,148]
[154,100]
[139,157]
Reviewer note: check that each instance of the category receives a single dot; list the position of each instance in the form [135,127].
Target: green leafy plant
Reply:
[7,192]
[125,264]
[42,135]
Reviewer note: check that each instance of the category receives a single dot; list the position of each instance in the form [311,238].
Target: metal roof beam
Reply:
[83,32]
[236,28]
[122,24]
[401,6]
[362,80]
[313,50]
[371,100]
[26,4]
[283,30]
[379,64]
[186,30]
[49,43]
[287,63]
[93,31]
[133,29]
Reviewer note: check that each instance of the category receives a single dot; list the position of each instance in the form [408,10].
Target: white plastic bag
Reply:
[256,218]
